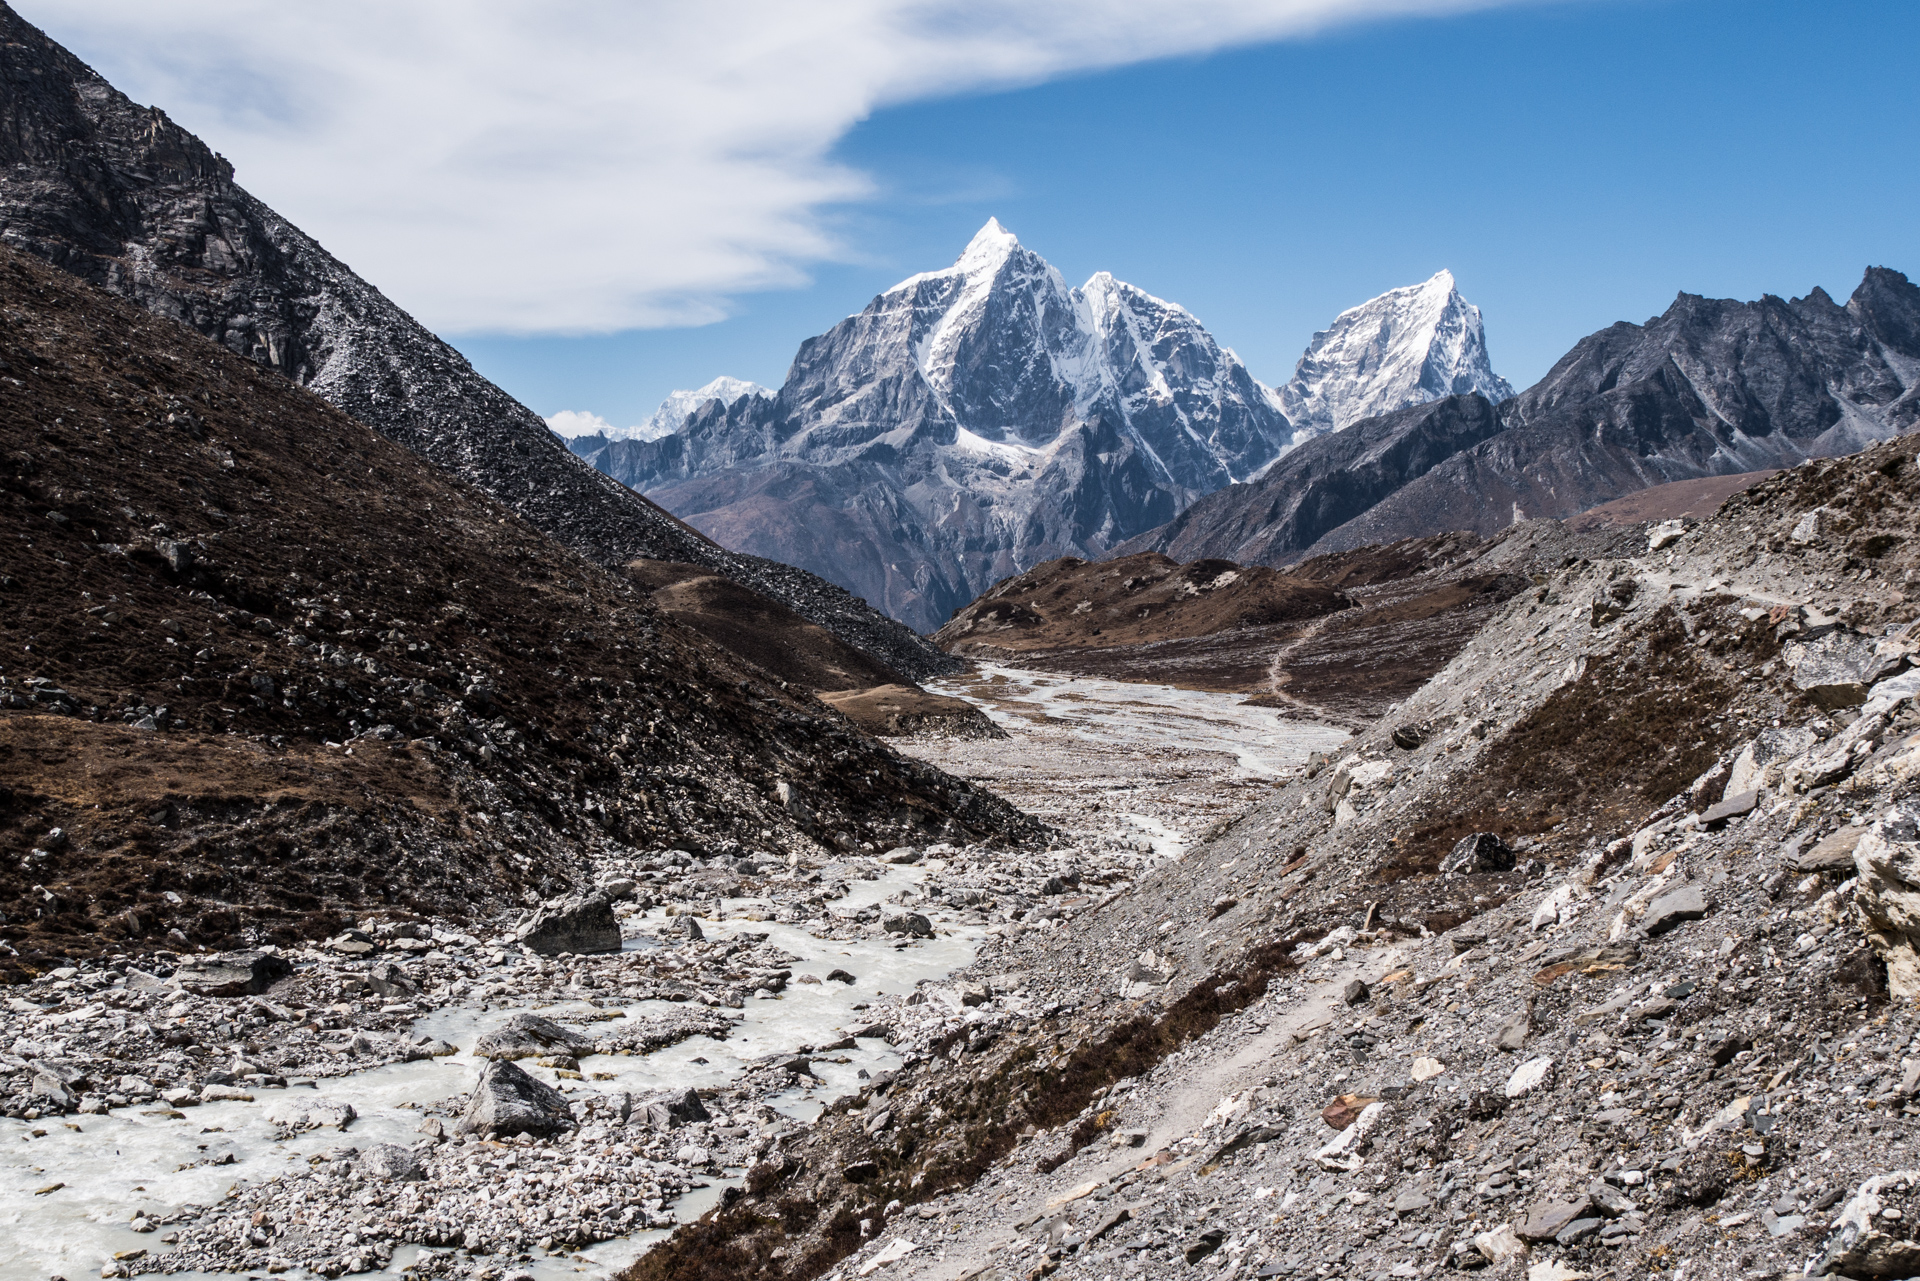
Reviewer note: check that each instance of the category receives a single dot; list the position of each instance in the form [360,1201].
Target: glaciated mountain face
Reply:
[127,200]
[1713,387]
[679,405]
[967,424]
[1404,348]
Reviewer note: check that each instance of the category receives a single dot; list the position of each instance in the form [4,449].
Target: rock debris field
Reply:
[408,1095]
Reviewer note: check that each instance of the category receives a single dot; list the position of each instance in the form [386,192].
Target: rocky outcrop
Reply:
[526,1036]
[126,199]
[237,974]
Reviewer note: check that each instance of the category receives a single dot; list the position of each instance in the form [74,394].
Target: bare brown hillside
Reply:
[263,668]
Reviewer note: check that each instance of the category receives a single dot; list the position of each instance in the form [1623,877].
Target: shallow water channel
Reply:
[110,1167]
[1187,754]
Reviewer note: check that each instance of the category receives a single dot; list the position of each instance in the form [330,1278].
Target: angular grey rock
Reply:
[1863,1242]
[689,927]
[1608,1200]
[1547,1219]
[390,980]
[1411,1201]
[526,1036]
[1674,908]
[391,1161]
[582,924]
[1836,669]
[1355,992]
[1731,807]
[234,974]
[1480,852]
[507,1102]
[1514,1030]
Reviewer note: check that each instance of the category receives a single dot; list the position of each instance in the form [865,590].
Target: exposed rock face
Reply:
[581,924]
[1712,387]
[124,198]
[507,1102]
[968,423]
[1888,861]
[1406,347]
[240,974]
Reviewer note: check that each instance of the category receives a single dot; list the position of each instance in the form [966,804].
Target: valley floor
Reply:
[216,1134]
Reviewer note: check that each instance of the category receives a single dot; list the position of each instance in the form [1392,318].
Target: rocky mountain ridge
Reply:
[974,421]
[1711,387]
[127,200]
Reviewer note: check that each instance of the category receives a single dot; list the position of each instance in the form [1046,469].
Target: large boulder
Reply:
[528,1036]
[1887,860]
[233,974]
[1481,852]
[581,924]
[507,1101]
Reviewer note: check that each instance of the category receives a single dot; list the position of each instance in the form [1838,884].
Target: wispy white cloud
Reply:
[578,422]
[553,166]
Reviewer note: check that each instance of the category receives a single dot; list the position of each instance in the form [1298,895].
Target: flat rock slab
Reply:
[1675,908]
[1732,807]
[1833,853]
[528,1036]
[1549,1218]
[236,974]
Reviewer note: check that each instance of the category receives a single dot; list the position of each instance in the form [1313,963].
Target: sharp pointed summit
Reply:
[1406,347]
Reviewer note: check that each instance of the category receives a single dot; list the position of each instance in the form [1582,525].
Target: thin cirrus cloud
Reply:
[522,167]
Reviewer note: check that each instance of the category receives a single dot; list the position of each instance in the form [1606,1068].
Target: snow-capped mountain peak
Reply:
[679,406]
[666,420]
[1406,347]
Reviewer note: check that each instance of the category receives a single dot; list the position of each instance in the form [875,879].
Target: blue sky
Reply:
[1573,164]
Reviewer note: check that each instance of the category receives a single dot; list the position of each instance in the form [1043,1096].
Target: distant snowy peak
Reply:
[679,406]
[573,424]
[1406,347]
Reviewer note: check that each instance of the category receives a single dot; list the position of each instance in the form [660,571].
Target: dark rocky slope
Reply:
[264,668]
[124,198]
[1663,1028]
[1713,387]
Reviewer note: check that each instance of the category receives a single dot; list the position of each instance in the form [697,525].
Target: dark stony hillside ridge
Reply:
[1593,957]
[1712,387]
[262,668]
[127,200]
[1338,638]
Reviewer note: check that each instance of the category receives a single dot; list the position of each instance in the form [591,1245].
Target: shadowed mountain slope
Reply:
[127,200]
[263,668]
